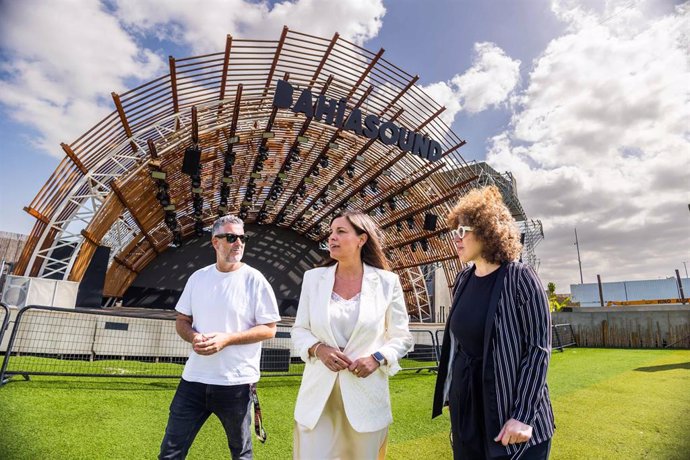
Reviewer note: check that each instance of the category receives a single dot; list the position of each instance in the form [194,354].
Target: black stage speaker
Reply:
[90,293]
[430,222]
[192,161]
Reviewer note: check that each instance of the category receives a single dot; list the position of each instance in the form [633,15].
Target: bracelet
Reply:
[316,348]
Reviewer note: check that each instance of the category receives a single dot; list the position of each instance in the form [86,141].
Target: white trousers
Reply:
[333,438]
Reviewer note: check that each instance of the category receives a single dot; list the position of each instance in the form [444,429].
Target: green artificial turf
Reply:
[609,404]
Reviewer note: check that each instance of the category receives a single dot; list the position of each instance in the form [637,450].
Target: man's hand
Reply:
[209,344]
[514,432]
[364,367]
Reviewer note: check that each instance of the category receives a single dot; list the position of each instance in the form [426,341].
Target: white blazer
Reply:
[382,325]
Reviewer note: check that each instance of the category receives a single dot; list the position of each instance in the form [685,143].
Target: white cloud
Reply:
[487,83]
[203,25]
[63,59]
[600,140]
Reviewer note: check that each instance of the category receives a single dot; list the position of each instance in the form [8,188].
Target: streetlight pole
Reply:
[685,264]
[579,262]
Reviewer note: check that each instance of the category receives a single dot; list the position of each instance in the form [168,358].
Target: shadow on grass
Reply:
[99,385]
[153,384]
[128,384]
[664,367]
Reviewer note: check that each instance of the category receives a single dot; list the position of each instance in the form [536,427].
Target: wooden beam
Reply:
[424,262]
[152,149]
[398,158]
[425,206]
[415,239]
[37,215]
[295,143]
[400,94]
[125,264]
[195,126]
[430,119]
[453,148]
[235,116]
[362,186]
[72,156]
[226,63]
[324,59]
[123,120]
[89,237]
[366,72]
[276,56]
[274,112]
[343,169]
[120,196]
[333,138]
[173,84]
[236,110]
[397,191]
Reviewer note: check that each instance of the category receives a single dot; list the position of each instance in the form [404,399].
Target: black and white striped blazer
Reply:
[517,348]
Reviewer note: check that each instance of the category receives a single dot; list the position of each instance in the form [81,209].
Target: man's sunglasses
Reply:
[231,237]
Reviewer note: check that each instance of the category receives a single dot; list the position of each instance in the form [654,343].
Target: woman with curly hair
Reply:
[497,341]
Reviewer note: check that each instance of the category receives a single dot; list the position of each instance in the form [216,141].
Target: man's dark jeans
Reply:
[194,403]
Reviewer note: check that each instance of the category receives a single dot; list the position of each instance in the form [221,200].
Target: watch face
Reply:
[379,357]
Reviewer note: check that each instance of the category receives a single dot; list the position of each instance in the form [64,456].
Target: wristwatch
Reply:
[379,357]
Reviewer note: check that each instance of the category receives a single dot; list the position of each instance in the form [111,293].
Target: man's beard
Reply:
[232,258]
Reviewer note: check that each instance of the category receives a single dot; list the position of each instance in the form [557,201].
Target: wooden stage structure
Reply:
[120,184]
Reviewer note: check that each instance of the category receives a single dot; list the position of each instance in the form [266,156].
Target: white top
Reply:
[227,302]
[344,313]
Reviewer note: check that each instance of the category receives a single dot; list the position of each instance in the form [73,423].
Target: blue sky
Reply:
[585,102]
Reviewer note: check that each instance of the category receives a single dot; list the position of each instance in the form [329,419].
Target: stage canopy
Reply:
[285,133]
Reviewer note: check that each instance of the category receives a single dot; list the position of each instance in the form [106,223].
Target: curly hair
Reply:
[483,210]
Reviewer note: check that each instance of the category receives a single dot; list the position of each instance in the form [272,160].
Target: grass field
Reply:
[609,404]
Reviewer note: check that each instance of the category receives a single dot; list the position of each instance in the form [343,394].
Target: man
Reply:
[225,311]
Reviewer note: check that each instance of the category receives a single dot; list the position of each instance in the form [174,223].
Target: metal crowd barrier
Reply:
[278,357]
[93,343]
[4,320]
[562,336]
[424,355]
[99,343]
[439,341]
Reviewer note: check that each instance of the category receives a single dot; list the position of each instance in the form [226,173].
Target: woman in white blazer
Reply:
[351,330]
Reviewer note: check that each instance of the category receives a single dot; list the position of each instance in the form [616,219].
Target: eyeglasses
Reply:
[461,231]
[231,237]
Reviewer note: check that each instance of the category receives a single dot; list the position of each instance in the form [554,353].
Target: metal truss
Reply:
[419,292]
[89,193]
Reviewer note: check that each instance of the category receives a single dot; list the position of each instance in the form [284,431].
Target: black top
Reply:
[469,313]
[466,391]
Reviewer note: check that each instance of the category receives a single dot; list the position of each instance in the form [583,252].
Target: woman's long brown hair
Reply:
[372,251]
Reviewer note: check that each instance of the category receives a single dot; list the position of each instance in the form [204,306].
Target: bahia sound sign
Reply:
[332,112]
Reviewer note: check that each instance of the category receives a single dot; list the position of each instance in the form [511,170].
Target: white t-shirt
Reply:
[227,302]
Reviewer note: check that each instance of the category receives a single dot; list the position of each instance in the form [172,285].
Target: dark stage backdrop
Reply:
[280,254]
